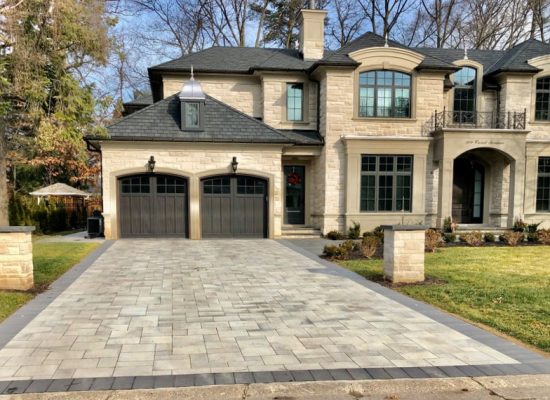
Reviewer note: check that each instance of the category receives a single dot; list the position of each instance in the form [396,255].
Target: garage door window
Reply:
[168,184]
[247,185]
[138,184]
[217,186]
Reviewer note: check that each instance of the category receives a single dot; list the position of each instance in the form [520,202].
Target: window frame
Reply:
[377,173]
[542,91]
[543,174]
[184,106]
[128,184]
[303,105]
[393,88]
[472,87]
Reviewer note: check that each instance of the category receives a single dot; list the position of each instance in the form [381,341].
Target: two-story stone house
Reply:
[266,140]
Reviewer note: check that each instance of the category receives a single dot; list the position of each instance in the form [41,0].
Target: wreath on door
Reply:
[293,179]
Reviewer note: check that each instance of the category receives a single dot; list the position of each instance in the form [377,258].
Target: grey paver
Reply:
[170,307]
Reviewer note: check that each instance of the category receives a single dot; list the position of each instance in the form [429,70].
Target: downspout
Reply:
[318,84]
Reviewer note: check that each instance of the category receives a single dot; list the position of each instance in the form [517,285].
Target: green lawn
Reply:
[507,288]
[51,260]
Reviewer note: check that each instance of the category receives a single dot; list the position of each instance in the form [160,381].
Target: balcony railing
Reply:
[480,120]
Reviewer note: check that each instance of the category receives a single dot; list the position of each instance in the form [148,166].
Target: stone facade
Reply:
[333,170]
[193,161]
[241,92]
[16,265]
[404,253]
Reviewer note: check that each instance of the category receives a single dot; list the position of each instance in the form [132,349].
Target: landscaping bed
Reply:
[51,260]
[506,288]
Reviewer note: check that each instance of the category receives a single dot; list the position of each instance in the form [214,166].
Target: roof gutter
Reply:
[312,69]
[178,140]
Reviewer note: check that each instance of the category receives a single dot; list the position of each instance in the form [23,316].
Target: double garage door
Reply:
[157,206]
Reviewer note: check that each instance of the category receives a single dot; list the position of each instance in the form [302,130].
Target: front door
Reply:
[468,186]
[295,188]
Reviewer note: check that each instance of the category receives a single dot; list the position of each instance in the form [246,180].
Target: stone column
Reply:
[445,195]
[16,268]
[517,187]
[404,253]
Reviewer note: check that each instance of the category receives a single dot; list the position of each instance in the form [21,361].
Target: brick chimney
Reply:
[312,32]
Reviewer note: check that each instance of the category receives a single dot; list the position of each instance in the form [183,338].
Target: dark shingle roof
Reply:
[145,100]
[495,61]
[515,59]
[222,123]
[237,60]
[249,59]
[303,136]
[484,57]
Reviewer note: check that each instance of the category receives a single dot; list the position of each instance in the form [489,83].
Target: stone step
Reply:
[297,232]
[481,228]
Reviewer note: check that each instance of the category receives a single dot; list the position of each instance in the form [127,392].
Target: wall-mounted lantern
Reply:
[151,164]
[234,165]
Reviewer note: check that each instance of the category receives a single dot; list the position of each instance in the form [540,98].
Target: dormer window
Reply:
[192,100]
[464,103]
[192,115]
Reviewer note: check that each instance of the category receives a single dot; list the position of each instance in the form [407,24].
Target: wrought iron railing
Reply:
[479,120]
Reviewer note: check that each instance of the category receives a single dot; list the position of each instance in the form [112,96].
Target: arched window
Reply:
[464,103]
[542,103]
[384,94]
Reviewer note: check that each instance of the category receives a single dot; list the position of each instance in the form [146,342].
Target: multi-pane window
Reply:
[464,94]
[386,182]
[136,184]
[295,101]
[247,185]
[217,185]
[170,184]
[543,185]
[542,101]
[384,94]
[192,115]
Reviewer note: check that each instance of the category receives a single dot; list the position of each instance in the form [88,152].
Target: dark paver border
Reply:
[12,325]
[500,344]
[530,362]
[230,378]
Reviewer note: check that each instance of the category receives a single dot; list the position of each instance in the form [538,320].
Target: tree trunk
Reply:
[4,199]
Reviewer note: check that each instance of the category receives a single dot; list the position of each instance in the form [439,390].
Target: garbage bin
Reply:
[95,225]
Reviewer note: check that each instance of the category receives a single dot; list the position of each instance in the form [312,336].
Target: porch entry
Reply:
[295,184]
[468,189]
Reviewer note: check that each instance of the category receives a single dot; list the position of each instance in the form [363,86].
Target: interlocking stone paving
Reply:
[161,307]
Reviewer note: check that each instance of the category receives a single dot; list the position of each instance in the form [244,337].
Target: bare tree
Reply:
[384,15]
[226,20]
[260,8]
[172,23]
[348,23]
[443,18]
[493,24]
[540,18]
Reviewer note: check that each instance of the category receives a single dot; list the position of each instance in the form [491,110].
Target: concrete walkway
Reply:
[81,236]
[486,388]
[170,307]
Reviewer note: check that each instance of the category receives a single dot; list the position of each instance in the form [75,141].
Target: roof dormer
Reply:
[192,100]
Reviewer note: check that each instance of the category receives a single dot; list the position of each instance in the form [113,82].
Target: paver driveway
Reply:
[157,307]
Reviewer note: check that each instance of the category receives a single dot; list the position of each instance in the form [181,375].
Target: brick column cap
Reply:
[398,227]
[16,229]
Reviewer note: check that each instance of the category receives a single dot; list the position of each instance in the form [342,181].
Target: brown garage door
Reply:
[153,206]
[234,206]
